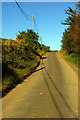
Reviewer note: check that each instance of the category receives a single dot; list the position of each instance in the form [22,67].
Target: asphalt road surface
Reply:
[50,92]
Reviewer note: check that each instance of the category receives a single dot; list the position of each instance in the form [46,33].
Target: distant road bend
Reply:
[50,92]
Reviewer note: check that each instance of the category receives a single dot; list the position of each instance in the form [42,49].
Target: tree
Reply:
[71,36]
[67,42]
[71,16]
[30,37]
[75,31]
[21,35]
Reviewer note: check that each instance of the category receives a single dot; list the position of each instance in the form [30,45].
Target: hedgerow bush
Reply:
[20,57]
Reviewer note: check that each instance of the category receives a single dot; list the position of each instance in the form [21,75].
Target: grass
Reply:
[14,76]
[73,58]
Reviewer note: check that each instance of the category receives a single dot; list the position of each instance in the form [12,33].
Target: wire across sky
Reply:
[26,15]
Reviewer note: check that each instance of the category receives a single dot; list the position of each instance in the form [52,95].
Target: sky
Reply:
[48,17]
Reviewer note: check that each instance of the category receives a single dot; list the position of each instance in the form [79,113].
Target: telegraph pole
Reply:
[41,40]
[33,21]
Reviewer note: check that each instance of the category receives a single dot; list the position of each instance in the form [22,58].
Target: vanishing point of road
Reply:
[50,92]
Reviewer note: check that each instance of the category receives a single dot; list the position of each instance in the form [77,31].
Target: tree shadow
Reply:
[43,57]
[39,69]
[53,99]
[61,95]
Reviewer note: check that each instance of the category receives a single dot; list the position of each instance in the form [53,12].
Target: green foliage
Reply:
[71,16]
[30,37]
[55,51]
[75,31]
[67,42]
[45,48]
[20,57]
[73,57]
[71,36]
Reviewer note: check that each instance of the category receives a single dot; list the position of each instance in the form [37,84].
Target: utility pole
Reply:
[41,40]
[33,21]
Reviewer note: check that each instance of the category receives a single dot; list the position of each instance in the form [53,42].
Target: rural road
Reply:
[50,92]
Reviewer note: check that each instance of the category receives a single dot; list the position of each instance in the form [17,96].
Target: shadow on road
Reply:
[54,101]
[39,69]
[43,57]
[61,95]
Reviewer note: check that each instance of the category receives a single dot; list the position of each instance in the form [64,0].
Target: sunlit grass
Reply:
[73,58]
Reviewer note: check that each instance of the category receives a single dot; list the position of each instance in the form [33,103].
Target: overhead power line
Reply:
[27,16]
[24,13]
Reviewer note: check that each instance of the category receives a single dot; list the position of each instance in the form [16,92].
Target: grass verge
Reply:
[73,58]
[14,76]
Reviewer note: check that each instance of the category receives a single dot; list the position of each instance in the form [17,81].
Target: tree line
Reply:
[71,35]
